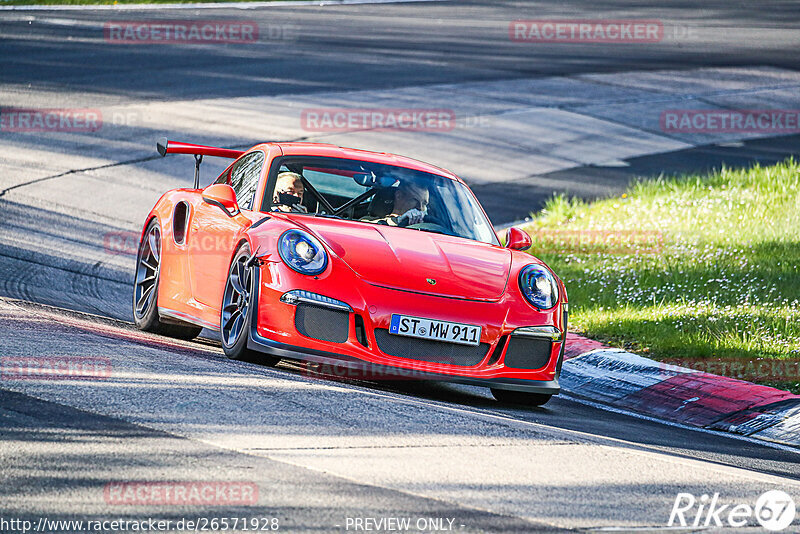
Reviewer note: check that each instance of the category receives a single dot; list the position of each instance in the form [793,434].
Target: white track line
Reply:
[586,435]
[214,5]
[633,447]
[720,433]
[444,405]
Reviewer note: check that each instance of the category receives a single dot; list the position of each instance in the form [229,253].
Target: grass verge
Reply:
[697,270]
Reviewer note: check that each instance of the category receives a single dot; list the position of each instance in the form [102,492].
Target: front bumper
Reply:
[339,365]
[272,331]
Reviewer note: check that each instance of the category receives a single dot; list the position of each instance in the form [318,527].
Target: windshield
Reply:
[373,193]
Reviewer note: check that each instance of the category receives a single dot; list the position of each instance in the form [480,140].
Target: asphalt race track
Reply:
[532,119]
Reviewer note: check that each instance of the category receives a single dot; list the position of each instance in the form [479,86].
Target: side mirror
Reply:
[223,196]
[516,239]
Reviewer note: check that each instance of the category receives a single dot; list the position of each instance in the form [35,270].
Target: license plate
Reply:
[464,334]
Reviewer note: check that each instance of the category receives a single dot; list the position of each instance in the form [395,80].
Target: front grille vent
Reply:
[528,352]
[321,323]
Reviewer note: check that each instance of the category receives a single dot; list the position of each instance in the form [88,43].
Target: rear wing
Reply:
[165,146]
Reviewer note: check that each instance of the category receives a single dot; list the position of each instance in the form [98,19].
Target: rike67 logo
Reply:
[774,511]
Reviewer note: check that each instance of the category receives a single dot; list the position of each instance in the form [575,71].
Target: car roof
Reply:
[333,151]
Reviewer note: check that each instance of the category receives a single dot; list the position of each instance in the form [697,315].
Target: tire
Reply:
[236,312]
[145,289]
[520,397]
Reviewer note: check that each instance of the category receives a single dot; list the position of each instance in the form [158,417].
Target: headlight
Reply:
[538,286]
[302,252]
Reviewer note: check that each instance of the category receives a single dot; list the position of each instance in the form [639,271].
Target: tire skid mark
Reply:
[109,328]
[110,165]
[74,171]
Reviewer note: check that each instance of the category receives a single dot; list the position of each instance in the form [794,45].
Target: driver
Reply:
[410,206]
[289,191]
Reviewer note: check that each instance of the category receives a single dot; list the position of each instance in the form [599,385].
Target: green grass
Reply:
[701,268]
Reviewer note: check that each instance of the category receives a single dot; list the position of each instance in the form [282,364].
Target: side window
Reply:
[223,178]
[244,178]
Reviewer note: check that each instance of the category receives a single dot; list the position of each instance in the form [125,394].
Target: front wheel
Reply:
[238,307]
[520,397]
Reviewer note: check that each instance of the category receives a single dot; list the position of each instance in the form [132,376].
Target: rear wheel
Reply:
[238,307]
[145,289]
[520,397]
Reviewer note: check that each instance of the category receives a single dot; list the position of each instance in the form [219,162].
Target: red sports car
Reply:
[361,260]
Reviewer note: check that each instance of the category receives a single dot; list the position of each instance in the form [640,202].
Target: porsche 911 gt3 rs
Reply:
[351,258]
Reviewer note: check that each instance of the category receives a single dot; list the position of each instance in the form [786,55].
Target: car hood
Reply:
[405,259]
